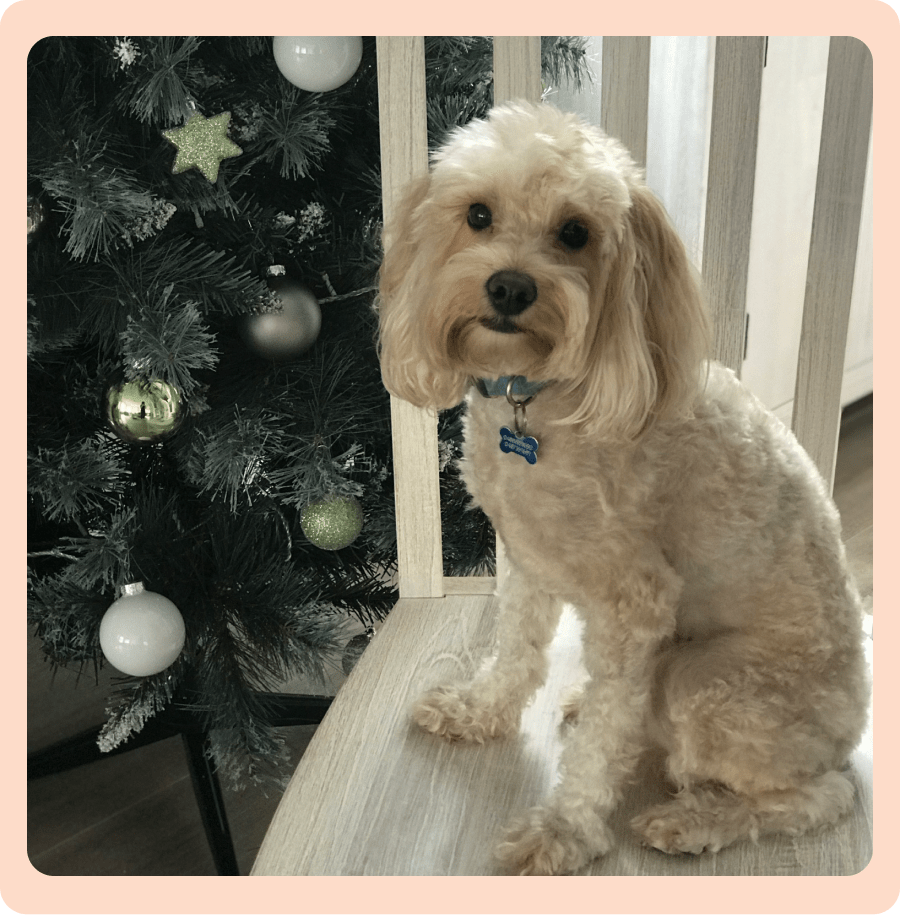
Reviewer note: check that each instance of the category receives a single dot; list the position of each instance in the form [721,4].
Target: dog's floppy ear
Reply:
[398,237]
[653,332]
[644,363]
[676,323]
[411,369]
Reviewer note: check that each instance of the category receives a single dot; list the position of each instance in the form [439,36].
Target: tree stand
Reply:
[285,711]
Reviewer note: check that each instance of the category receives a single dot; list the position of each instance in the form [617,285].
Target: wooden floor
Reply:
[135,814]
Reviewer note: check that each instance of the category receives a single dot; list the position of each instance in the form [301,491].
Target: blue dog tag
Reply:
[523,445]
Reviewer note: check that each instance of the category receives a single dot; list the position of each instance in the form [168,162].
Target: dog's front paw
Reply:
[459,714]
[544,843]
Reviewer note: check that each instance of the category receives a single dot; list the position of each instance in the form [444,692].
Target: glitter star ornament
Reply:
[202,144]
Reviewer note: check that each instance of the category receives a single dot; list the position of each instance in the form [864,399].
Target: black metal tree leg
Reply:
[208,792]
[283,711]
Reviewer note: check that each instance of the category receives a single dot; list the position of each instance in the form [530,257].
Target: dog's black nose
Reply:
[511,292]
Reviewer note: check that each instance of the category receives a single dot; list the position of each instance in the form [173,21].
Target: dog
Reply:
[534,275]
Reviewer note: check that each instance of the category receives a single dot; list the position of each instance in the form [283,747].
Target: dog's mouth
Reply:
[501,324]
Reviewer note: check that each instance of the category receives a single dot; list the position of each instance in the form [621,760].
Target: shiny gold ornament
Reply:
[144,410]
[332,523]
[202,144]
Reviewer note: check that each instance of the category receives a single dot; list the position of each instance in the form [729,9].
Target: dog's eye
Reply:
[479,217]
[573,234]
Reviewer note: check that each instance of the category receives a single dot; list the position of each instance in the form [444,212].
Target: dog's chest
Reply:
[551,504]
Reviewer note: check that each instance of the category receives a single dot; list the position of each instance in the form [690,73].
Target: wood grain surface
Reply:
[404,156]
[738,70]
[374,795]
[517,68]
[833,249]
[625,84]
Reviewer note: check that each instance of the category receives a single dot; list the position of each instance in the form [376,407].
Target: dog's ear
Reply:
[411,369]
[399,238]
[644,362]
[676,323]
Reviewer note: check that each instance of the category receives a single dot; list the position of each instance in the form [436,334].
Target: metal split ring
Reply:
[520,423]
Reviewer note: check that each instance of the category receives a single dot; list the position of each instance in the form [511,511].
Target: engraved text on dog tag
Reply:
[524,445]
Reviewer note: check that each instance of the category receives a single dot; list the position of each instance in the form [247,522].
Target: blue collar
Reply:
[522,387]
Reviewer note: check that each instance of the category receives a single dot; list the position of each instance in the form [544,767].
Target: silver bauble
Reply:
[290,331]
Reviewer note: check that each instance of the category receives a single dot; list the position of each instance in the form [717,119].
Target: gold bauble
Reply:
[144,410]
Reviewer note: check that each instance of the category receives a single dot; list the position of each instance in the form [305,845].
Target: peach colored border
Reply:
[876,888]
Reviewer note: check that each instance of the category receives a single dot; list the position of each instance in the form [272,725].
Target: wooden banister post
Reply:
[738,71]
[841,174]
[404,154]
[625,85]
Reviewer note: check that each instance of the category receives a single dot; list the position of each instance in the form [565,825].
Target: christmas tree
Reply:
[206,415]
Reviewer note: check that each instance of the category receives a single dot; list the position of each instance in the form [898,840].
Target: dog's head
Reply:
[534,248]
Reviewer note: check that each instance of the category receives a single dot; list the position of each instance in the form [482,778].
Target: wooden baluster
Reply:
[833,250]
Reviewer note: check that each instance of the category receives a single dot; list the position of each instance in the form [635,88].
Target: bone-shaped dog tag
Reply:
[524,445]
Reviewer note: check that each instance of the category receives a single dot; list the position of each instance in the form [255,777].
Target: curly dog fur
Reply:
[690,531]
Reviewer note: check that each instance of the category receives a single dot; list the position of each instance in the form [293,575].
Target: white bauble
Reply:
[142,632]
[317,63]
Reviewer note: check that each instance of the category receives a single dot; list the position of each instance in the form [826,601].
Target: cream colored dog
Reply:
[640,484]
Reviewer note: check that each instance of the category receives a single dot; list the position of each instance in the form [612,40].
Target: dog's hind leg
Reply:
[492,704]
[755,742]
[712,817]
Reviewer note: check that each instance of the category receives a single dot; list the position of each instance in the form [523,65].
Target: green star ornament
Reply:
[202,144]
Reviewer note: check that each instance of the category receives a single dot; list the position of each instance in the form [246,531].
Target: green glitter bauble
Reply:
[144,410]
[333,523]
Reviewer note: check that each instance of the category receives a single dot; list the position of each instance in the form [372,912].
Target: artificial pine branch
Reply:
[75,479]
[166,79]
[169,341]
[294,133]
[137,270]
[563,61]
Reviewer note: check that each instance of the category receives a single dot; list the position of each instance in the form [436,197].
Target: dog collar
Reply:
[500,387]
